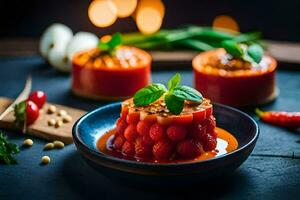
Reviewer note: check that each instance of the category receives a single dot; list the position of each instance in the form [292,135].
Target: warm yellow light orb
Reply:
[149,15]
[125,7]
[226,22]
[102,13]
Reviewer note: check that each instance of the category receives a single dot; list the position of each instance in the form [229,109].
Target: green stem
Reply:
[259,112]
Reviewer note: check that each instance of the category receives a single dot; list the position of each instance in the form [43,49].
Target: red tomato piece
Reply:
[162,149]
[133,117]
[164,120]
[128,149]
[124,112]
[176,132]
[118,142]
[209,111]
[148,118]
[185,119]
[130,133]
[199,115]
[38,97]
[157,132]
[143,128]
[32,112]
[142,149]
[188,149]
[197,130]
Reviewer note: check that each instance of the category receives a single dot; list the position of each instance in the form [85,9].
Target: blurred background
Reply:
[277,20]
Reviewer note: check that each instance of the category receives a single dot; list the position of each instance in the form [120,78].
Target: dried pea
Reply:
[28,142]
[58,144]
[49,146]
[45,160]
[51,109]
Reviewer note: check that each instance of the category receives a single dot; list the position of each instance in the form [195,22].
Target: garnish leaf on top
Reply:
[252,53]
[7,151]
[149,94]
[232,48]
[174,104]
[174,82]
[256,52]
[174,97]
[187,93]
[110,45]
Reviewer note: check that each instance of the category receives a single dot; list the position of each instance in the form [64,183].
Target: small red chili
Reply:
[280,118]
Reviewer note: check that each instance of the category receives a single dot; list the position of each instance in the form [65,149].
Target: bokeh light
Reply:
[125,7]
[226,22]
[149,15]
[102,13]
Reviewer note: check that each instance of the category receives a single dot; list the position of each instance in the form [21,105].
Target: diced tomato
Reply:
[151,119]
[211,124]
[143,127]
[133,117]
[164,120]
[120,126]
[199,115]
[130,133]
[183,119]
[197,130]
[209,111]
[124,112]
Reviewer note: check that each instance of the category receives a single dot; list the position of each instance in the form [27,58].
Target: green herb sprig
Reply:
[192,37]
[111,45]
[252,53]
[174,96]
[7,151]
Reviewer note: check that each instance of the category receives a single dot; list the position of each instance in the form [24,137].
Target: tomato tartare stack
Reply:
[114,75]
[164,125]
[153,133]
[231,80]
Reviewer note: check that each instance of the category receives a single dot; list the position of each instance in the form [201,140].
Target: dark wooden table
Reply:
[271,172]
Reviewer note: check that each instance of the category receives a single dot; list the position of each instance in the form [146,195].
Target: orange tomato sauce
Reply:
[226,143]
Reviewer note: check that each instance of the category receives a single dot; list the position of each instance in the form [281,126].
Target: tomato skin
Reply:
[133,117]
[209,111]
[183,119]
[38,97]
[32,112]
[124,112]
[151,119]
[199,115]
[164,120]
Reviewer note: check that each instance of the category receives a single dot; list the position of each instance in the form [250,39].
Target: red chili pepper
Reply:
[280,118]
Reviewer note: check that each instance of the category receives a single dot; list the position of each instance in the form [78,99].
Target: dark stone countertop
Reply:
[271,172]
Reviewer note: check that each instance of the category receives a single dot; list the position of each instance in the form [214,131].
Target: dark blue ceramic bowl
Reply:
[94,124]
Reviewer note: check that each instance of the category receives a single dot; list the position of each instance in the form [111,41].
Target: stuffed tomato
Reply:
[153,133]
[161,125]
[100,75]
[232,81]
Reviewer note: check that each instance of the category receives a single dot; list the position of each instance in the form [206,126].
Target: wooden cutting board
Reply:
[40,127]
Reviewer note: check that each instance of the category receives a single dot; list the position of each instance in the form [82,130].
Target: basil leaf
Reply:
[232,48]
[20,111]
[103,46]
[174,104]
[187,93]
[116,40]
[174,81]
[256,52]
[149,94]
[110,46]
